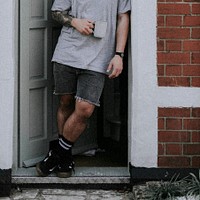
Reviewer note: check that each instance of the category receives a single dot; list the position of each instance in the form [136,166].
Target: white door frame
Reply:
[143,85]
[7,82]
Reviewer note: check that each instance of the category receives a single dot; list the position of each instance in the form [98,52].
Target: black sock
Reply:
[65,146]
[54,144]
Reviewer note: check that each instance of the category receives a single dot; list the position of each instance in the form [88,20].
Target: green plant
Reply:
[193,185]
[165,190]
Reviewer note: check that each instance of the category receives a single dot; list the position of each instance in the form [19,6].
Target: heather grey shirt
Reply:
[88,52]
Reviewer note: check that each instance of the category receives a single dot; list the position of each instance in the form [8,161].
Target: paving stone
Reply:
[100,192]
[59,197]
[113,197]
[62,194]
[25,194]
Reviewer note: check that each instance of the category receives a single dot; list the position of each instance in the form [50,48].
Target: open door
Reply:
[37,105]
[35,83]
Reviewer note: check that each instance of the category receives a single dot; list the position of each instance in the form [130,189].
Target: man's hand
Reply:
[115,67]
[84,26]
[116,64]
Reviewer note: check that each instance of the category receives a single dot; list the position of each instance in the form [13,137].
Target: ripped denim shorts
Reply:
[86,85]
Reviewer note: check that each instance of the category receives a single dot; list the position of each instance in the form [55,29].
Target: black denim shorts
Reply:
[84,84]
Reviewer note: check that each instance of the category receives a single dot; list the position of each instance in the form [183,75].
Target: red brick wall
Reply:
[179,137]
[178,59]
[178,38]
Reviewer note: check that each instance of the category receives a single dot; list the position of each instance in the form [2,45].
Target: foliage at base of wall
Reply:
[180,189]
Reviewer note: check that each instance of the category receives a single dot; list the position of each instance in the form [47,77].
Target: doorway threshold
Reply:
[83,175]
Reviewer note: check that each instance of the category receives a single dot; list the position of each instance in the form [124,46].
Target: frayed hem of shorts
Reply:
[57,93]
[82,99]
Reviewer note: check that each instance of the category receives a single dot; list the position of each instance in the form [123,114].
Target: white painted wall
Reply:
[144,94]
[7,64]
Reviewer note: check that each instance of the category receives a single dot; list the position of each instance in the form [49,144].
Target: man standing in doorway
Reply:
[91,45]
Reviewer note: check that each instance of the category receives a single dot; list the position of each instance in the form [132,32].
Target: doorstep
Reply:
[83,176]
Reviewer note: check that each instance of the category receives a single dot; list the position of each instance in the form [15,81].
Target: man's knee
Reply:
[67,101]
[84,109]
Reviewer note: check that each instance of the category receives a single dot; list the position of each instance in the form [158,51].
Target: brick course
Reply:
[179,137]
[178,40]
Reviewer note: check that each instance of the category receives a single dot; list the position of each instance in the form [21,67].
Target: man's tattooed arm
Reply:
[62,18]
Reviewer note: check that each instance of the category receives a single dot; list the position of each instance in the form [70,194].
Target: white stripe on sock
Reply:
[63,146]
[67,146]
[64,143]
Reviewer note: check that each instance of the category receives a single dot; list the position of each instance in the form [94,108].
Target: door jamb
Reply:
[16,89]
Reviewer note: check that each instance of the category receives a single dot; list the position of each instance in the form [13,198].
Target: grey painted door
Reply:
[38,107]
[35,80]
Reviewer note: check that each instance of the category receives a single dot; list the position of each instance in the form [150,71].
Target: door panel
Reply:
[36,61]
[35,79]
[37,111]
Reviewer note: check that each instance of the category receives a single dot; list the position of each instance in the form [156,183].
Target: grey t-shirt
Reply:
[88,52]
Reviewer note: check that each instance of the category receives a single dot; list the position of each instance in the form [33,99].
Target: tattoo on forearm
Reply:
[62,18]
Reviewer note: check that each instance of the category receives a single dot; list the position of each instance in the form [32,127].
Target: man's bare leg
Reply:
[77,121]
[66,108]
[73,127]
